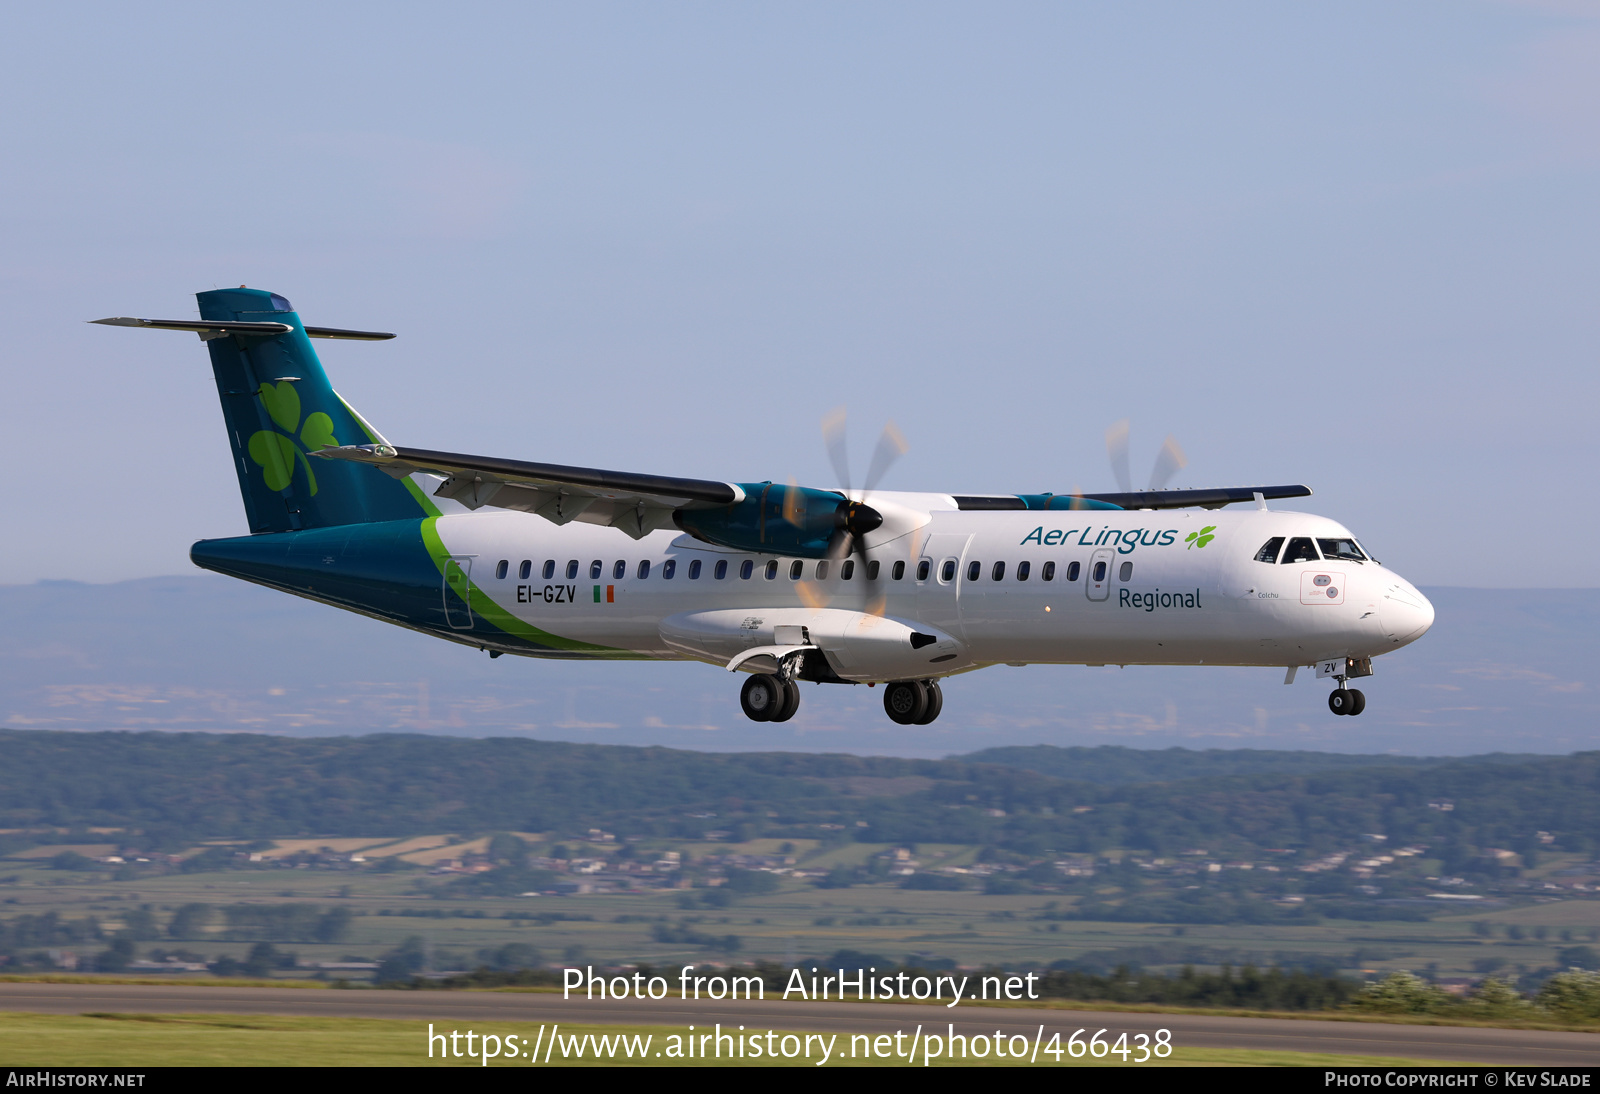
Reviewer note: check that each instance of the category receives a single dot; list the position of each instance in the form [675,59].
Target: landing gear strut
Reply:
[913,702]
[769,697]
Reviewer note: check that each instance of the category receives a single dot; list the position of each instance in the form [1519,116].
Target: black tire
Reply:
[935,702]
[904,701]
[791,702]
[1358,702]
[1340,701]
[761,697]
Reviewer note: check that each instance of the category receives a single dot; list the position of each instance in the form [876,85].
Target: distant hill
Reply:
[177,788]
[1502,670]
[1109,765]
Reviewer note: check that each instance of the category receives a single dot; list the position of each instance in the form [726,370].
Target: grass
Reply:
[221,1040]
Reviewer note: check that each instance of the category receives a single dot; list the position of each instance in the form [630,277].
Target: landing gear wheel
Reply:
[1342,701]
[935,702]
[790,703]
[1358,703]
[761,697]
[905,701]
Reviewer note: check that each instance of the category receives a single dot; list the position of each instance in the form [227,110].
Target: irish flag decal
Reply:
[611,594]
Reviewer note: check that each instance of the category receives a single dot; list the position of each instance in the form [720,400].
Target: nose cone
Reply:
[1405,613]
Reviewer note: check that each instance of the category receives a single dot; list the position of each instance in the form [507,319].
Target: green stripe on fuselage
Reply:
[485,608]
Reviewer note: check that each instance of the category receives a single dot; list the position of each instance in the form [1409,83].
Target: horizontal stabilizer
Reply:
[218,329]
[353,335]
[206,330]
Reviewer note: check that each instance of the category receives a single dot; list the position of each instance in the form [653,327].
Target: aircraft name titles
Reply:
[1125,541]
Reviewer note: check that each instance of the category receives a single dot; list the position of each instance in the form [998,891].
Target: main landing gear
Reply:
[913,702]
[769,697]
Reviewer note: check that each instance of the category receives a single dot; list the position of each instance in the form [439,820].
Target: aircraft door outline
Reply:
[456,589]
[1097,575]
[938,596]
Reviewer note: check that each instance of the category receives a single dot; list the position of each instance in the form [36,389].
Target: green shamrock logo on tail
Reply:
[1194,539]
[275,453]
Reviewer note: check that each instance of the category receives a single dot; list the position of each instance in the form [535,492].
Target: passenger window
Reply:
[947,572]
[1072,571]
[1300,549]
[596,568]
[772,568]
[720,571]
[644,569]
[822,571]
[549,568]
[524,570]
[619,570]
[1345,550]
[572,569]
[796,568]
[973,570]
[897,571]
[873,565]
[1269,550]
[1099,571]
[999,572]
[500,570]
[1022,570]
[923,569]
[1127,572]
[746,568]
[1048,572]
[847,569]
[668,568]
[694,569]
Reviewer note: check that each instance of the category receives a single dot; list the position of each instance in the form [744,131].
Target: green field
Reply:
[132,1041]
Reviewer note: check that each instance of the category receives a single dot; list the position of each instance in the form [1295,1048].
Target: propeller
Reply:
[855,518]
[1169,461]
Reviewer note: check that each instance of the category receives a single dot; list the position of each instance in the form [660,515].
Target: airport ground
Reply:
[105,1024]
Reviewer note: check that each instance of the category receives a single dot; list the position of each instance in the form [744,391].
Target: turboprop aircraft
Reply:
[785,583]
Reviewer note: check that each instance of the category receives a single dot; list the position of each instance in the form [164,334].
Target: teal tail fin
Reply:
[280,408]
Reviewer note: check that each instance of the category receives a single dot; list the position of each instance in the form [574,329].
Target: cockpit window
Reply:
[280,304]
[1300,549]
[1269,550]
[1342,548]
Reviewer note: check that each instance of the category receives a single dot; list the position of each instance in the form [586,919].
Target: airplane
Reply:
[782,582]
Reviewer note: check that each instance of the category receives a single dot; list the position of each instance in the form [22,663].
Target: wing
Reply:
[1135,499]
[637,504]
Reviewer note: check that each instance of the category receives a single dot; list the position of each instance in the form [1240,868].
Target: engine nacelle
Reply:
[859,647]
[780,520]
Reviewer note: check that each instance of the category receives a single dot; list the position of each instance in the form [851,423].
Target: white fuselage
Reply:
[1177,587]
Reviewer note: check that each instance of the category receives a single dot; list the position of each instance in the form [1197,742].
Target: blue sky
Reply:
[1350,245]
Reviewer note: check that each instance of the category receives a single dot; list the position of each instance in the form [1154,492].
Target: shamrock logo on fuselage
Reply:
[1200,538]
[274,452]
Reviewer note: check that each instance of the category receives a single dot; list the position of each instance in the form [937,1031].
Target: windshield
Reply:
[1342,548]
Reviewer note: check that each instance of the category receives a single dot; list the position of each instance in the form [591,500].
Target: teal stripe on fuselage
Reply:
[381,569]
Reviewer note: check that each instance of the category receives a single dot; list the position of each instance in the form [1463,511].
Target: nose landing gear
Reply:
[1346,700]
[1343,700]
